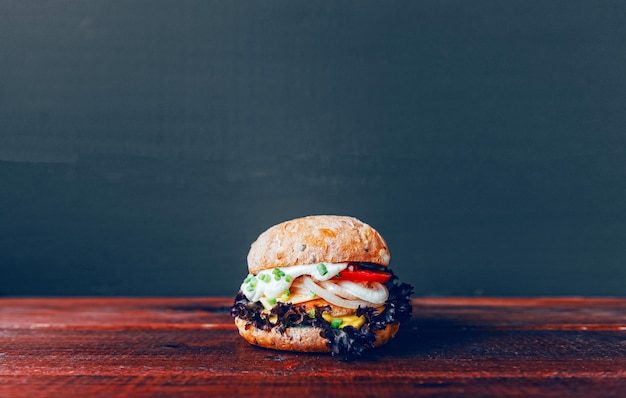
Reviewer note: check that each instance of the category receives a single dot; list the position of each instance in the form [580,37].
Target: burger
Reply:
[320,284]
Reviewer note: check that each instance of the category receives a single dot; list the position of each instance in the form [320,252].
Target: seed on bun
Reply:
[320,284]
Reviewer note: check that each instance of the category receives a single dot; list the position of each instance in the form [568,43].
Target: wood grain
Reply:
[190,347]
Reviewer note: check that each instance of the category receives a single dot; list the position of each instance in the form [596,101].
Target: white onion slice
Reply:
[376,294]
[330,297]
[298,284]
[338,290]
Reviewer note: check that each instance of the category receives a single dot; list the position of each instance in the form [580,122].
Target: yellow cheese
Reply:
[349,320]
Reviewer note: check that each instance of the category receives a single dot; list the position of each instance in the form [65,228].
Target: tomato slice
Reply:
[362,275]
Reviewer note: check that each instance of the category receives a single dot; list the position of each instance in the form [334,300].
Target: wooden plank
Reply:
[111,313]
[189,347]
[559,313]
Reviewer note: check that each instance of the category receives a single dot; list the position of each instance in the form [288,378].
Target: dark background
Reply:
[144,145]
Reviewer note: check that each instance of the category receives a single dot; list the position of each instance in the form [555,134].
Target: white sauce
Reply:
[271,283]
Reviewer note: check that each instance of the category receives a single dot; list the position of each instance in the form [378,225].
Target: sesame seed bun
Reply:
[314,239]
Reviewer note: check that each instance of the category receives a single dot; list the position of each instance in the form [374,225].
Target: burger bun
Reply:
[314,239]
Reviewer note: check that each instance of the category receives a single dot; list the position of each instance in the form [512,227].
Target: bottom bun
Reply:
[301,338]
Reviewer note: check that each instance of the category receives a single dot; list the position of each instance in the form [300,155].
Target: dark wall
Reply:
[144,145]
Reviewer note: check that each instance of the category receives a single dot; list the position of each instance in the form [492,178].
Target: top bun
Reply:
[314,239]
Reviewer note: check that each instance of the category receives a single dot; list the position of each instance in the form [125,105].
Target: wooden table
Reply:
[189,347]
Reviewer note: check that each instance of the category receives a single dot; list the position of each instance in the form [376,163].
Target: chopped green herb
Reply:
[321,267]
[312,313]
[335,323]
[248,278]
[311,294]
[288,279]
[277,277]
[272,301]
